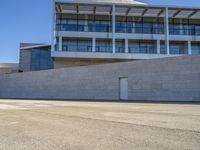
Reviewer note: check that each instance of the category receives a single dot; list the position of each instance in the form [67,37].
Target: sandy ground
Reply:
[52,125]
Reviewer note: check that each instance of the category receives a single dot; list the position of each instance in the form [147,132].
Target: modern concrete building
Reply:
[86,32]
[122,30]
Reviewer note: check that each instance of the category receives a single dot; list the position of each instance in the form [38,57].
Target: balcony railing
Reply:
[107,28]
[85,48]
[125,29]
[184,32]
[103,49]
[77,48]
[120,49]
[148,50]
[131,49]
[84,28]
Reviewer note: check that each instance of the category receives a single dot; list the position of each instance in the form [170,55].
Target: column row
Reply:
[125,46]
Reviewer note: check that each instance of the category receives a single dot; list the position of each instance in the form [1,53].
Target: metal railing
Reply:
[184,31]
[142,50]
[104,49]
[76,48]
[119,29]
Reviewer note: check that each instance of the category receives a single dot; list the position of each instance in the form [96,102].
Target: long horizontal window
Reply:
[181,29]
[72,45]
[178,48]
[142,47]
[195,48]
[41,59]
[144,28]
[105,26]
[126,24]
[104,46]
[184,27]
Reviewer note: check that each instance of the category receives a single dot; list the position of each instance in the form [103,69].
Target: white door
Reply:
[123,88]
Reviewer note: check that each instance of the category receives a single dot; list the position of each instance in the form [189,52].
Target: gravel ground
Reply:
[52,125]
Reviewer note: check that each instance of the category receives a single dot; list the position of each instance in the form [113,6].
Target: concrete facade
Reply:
[166,79]
[74,62]
[81,29]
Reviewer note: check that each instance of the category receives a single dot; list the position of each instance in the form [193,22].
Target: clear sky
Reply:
[30,21]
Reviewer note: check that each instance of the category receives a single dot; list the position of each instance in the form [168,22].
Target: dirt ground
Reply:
[59,125]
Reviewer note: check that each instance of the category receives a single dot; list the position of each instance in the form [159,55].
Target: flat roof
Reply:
[24,46]
[103,1]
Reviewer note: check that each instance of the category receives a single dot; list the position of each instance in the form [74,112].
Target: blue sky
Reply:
[30,21]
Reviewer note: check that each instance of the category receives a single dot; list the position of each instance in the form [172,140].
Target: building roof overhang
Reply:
[34,46]
[125,9]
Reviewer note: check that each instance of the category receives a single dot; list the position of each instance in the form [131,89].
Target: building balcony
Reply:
[124,48]
[142,29]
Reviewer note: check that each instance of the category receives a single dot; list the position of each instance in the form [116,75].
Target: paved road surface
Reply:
[44,125]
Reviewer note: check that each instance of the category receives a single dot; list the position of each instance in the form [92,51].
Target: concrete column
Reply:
[158,46]
[93,44]
[126,45]
[60,43]
[53,38]
[181,27]
[86,23]
[189,48]
[133,29]
[167,30]
[113,28]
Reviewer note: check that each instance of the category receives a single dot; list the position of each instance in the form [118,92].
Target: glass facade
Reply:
[195,48]
[41,59]
[184,27]
[120,46]
[103,46]
[134,46]
[77,45]
[178,48]
[84,23]
[147,47]
[163,47]
[126,24]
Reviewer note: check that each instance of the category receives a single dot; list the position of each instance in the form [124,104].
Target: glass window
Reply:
[196,48]
[120,46]
[77,45]
[146,47]
[178,48]
[197,30]
[120,27]
[138,27]
[41,59]
[104,46]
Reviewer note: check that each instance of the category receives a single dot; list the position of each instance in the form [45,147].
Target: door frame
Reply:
[120,78]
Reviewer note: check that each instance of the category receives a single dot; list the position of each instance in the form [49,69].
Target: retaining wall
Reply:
[167,79]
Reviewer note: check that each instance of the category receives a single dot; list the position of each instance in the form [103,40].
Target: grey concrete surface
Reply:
[50,125]
[167,79]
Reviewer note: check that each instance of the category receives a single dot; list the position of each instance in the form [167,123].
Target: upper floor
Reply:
[127,17]
[120,29]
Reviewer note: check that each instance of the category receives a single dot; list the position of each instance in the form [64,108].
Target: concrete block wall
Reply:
[166,79]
